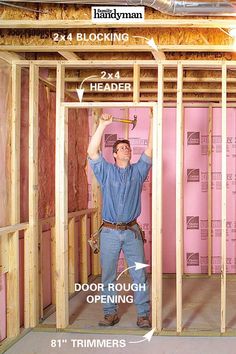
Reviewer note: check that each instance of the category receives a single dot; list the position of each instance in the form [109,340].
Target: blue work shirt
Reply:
[121,188]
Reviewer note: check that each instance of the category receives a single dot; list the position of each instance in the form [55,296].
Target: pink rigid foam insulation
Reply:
[195,189]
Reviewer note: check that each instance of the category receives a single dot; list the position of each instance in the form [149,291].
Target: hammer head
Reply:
[134,121]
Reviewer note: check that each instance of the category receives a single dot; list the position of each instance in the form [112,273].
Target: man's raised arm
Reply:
[94,145]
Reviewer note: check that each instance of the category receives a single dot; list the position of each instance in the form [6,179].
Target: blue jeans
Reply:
[111,243]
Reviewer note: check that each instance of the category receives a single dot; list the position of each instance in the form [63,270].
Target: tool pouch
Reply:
[94,241]
[142,233]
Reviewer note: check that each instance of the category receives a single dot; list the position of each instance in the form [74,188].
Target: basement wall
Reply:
[78,187]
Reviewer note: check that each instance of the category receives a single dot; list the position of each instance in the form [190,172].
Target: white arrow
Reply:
[158,55]
[136,266]
[147,336]
[80,90]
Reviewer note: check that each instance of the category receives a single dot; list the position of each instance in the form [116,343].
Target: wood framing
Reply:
[209,192]
[72,259]
[31,261]
[172,48]
[223,197]
[136,83]
[159,22]
[179,196]
[53,263]
[157,191]
[83,250]
[13,305]
[61,185]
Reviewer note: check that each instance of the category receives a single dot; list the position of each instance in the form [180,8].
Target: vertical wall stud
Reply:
[209,193]
[83,250]
[13,312]
[179,196]
[223,197]
[72,256]
[136,83]
[33,196]
[61,225]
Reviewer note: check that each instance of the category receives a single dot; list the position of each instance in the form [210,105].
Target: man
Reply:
[121,185]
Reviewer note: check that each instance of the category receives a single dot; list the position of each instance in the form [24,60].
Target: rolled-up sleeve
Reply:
[144,164]
[99,167]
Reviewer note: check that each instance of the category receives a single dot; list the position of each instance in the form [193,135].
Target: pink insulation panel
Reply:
[195,176]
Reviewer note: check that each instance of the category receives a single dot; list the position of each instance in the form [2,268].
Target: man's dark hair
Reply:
[124,141]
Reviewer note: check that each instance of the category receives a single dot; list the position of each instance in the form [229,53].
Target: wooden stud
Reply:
[4,254]
[61,224]
[179,197]
[136,83]
[53,264]
[96,194]
[27,321]
[13,311]
[157,156]
[83,251]
[223,197]
[33,195]
[72,256]
[40,257]
[209,192]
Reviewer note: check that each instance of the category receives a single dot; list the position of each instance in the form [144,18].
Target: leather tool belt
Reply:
[125,226]
[119,226]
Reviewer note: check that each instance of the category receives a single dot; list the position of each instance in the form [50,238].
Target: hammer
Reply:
[129,121]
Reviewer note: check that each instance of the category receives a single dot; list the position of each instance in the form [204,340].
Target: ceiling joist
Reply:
[159,23]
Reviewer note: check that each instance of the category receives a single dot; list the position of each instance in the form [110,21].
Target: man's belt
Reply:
[119,226]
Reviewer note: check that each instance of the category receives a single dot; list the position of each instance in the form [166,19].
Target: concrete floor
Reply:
[201,307]
[201,316]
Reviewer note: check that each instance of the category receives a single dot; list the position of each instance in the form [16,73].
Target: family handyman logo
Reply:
[117,14]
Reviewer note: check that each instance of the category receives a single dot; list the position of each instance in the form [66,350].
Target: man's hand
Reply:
[105,119]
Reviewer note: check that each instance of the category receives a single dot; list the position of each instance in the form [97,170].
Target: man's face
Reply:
[123,152]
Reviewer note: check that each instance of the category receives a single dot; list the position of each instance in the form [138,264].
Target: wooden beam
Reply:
[4,259]
[32,247]
[62,311]
[157,156]
[148,23]
[223,197]
[209,191]
[102,104]
[136,83]
[150,79]
[96,195]
[53,264]
[72,256]
[40,257]
[179,197]
[83,251]
[9,57]
[172,48]
[68,55]
[147,64]
[13,311]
